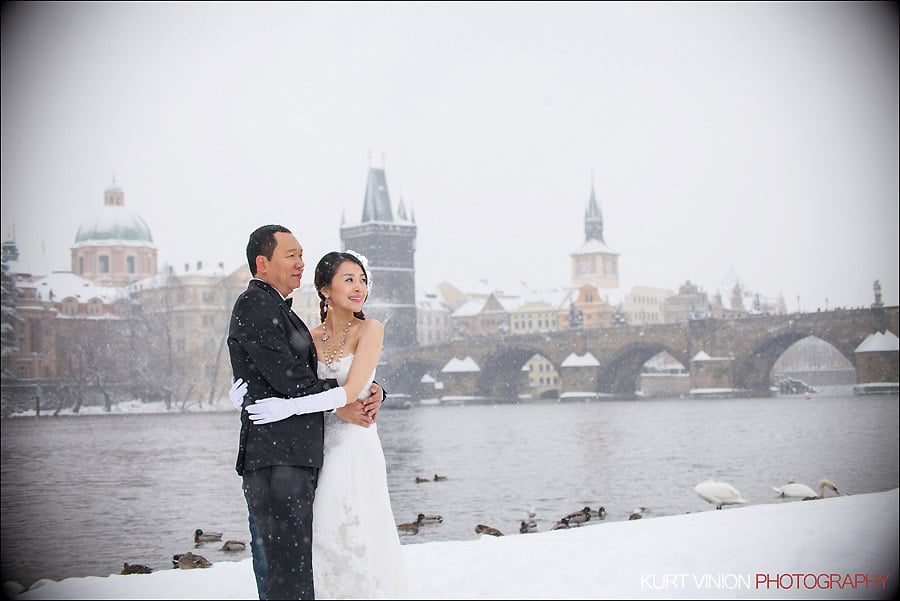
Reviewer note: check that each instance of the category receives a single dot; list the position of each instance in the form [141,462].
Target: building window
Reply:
[70,306]
[129,264]
[95,306]
[80,265]
[104,264]
[36,339]
[584,267]
[209,297]
[609,266]
[22,372]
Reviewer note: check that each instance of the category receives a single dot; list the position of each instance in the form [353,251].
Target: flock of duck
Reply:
[573,519]
[437,478]
[715,492]
[712,491]
[189,560]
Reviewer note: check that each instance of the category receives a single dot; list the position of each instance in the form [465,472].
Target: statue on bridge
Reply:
[576,318]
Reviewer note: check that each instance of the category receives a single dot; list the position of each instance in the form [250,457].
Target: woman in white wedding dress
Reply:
[356,548]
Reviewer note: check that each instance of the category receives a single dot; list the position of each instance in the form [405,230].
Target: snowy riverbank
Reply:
[842,547]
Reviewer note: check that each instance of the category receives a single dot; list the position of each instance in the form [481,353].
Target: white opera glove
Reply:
[275,409]
[237,392]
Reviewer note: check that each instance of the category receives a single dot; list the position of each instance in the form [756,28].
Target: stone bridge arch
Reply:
[501,375]
[752,370]
[843,330]
[619,375]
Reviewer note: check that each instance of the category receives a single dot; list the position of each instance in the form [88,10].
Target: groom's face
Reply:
[285,268]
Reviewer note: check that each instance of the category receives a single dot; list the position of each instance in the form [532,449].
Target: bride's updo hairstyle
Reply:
[326,270]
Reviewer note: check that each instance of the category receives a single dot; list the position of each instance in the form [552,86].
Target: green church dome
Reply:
[114,223]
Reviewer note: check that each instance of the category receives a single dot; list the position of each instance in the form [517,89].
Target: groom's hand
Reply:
[237,392]
[354,413]
[373,403]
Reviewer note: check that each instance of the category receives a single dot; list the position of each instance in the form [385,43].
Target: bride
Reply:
[356,548]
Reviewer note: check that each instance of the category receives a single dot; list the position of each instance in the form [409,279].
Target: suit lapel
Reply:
[292,317]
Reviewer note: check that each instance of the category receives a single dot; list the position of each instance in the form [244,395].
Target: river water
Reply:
[81,495]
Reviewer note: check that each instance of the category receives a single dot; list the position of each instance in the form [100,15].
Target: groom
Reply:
[272,351]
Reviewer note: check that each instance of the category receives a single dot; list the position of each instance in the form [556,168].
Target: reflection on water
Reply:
[82,495]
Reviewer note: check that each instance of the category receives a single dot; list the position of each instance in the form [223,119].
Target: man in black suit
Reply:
[272,351]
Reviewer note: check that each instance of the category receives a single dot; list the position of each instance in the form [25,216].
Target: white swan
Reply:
[719,493]
[795,489]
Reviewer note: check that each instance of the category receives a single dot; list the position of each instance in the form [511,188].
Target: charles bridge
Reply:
[735,354]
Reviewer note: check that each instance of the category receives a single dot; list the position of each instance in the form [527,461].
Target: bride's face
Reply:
[349,288]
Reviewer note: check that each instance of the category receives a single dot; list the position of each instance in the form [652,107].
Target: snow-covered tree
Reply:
[10,345]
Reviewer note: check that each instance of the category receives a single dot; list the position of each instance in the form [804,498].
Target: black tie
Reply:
[289,301]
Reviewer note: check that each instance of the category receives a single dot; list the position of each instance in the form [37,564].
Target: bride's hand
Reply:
[354,413]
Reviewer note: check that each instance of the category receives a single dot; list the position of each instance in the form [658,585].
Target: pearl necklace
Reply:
[333,356]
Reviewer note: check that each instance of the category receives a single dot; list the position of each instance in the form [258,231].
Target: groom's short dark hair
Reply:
[262,242]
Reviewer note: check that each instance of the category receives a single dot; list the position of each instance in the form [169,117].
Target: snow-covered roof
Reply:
[199,267]
[461,365]
[469,308]
[499,288]
[879,342]
[186,269]
[594,246]
[702,356]
[65,284]
[431,299]
[585,360]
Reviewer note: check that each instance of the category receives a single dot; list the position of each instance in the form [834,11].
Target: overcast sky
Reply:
[756,140]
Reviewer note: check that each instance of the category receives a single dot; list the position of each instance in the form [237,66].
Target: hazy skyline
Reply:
[754,139]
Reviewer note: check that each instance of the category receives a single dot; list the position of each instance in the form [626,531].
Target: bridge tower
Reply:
[388,240]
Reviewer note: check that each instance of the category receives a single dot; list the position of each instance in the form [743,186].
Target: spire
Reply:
[377,204]
[593,220]
[9,250]
[401,209]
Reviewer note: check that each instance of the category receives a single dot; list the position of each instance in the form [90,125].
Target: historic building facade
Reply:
[186,311]
[113,328]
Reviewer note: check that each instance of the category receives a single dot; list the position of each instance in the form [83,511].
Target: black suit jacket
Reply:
[272,350]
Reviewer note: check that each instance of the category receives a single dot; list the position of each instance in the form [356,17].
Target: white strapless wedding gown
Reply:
[356,548]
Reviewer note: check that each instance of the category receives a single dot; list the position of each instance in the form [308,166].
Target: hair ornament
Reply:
[365,264]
